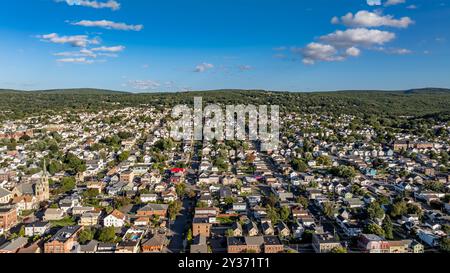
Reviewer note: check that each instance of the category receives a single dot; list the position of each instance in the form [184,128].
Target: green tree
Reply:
[388,228]
[373,228]
[67,184]
[445,244]
[107,235]
[123,156]
[339,249]
[85,236]
[285,212]
[328,209]
[174,209]
[299,165]
[303,201]
[374,211]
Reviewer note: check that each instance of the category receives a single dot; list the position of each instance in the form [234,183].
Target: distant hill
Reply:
[430,102]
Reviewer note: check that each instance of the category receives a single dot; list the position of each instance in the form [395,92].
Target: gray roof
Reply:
[4,192]
[254,240]
[15,244]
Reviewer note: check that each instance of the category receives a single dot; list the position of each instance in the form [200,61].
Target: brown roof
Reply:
[118,214]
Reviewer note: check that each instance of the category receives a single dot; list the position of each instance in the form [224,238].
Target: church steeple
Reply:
[45,195]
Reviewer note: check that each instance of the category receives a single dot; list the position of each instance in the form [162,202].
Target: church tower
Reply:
[45,194]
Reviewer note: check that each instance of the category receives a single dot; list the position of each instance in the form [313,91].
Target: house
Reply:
[240,207]
[254,244]
[201,226]
[148,198]
[142,221]
[53,214]
[428,237]
[283,230]
[372,243]
[152,210]
[37,229]
[199,245]
[324,242]
[90,247]
[89,218]
[245,244]
[272,244]
[14,245]
[267,228]
[114,219]
[63,241]
[25,202]
[236,229]
[252,229]
[5,196]
[155,244]
[8,218]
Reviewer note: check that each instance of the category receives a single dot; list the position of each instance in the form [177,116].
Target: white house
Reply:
[147,198]
[38,228]
[115,219]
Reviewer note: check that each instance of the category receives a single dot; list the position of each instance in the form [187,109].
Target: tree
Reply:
[73,164]
[123,156]
[347,172]
[303,201]
[272,214]
[85,236]
[181,189]
[22,231]
[373,228]
[271,200]
[328,209]
[374,211]
[299,166]
[189,236]
[229,233]
[285,212]
[67,184]
[445,244]
[388,228]
[339,249]
[107,235]
[399,209]
[324,160]
[174,209]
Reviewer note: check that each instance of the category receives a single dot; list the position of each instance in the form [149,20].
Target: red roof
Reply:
[177,170]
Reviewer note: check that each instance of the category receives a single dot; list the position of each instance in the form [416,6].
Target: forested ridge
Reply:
[429,103]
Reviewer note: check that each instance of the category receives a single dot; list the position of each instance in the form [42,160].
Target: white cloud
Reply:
[112,49]
[82,53]
[358,37]
[110,4]
[108,25]
[394,2]
[411,7]
[81,60]
[395,51]
[374,2]
[203,67]
[319,52]
[76,40]
[144,84]
[365,18]
[353,51]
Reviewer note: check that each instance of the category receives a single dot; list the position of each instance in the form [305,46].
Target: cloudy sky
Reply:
[174,45]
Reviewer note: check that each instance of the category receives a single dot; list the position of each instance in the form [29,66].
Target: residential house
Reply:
[114,219]
[63,241]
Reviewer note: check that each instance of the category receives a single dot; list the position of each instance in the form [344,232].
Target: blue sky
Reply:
[173,45]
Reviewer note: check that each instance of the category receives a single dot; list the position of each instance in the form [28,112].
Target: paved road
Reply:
[178,228]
